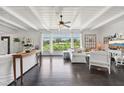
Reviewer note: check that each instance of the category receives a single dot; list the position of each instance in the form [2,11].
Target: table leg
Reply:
[14,68]
[37,58]
[21,68]
[40,58]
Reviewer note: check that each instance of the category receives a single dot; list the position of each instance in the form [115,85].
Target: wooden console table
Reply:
[20,56]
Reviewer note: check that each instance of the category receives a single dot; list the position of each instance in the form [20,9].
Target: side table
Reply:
[66,55]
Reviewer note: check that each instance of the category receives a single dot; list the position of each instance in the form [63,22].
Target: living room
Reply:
[61,45]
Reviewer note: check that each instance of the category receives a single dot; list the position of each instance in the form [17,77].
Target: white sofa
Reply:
[100,59]
[118,56]
[6,67]
[76,57]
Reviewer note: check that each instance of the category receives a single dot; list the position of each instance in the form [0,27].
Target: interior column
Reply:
[42,42]
[81,45]
[51,44]
[72,40]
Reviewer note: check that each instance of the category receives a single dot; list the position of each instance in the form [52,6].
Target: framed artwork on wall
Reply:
[90,41]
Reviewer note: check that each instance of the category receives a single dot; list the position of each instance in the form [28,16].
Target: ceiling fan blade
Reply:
[67,22]
[67,26]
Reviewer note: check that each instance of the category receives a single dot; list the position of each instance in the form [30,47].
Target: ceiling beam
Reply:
[109,20]
[96,17]
[19,17]
[34,11]
[75,17]
[12,23]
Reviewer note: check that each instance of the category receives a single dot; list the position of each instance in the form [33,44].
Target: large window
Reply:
[60,41]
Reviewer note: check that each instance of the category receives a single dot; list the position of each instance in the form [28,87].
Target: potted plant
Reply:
[16,40]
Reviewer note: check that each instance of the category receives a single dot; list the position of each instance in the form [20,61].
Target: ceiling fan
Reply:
[62,23]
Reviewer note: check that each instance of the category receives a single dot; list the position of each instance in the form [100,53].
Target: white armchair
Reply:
[100,59]
[118,56]
[78,57]
[119,60]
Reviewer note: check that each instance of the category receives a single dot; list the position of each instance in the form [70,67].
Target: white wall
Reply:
[35,37]
[116,26]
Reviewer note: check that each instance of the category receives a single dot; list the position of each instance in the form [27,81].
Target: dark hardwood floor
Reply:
[54,71]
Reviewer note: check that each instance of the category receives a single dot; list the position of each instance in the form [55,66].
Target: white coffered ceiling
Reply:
[37,18]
